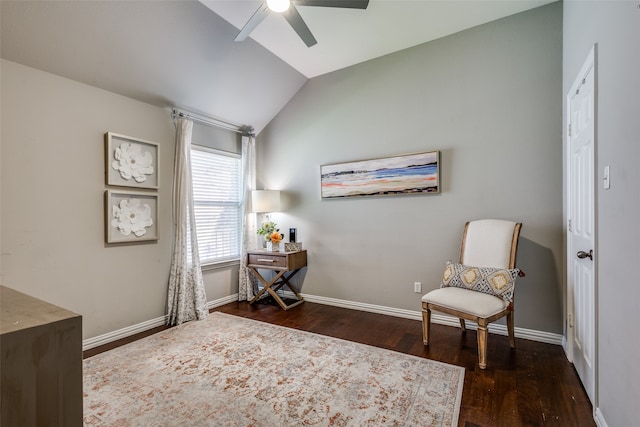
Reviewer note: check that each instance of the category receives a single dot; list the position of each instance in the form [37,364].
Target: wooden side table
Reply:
[283,263]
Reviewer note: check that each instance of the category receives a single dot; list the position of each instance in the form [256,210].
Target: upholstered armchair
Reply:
[479,289]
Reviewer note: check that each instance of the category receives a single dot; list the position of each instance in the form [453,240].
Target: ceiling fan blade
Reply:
[350,4]
[297,23]
[253,22]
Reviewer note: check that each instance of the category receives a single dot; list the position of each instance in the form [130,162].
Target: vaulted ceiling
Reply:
[166,53]
[349,36]
[181,53]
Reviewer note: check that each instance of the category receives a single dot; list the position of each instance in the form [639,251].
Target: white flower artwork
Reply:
[131,216]
[132,162]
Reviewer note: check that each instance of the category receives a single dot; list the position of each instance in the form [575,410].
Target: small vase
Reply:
[274,247]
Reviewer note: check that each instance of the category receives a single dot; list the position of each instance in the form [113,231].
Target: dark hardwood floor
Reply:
[532,385]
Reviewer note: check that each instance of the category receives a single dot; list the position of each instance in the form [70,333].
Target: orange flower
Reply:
[276,237]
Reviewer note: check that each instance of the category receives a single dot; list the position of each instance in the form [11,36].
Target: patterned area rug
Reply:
[231,371]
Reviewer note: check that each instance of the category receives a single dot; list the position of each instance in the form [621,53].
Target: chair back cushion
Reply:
[490,243]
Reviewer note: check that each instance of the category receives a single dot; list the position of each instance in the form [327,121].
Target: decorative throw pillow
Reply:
[493,281]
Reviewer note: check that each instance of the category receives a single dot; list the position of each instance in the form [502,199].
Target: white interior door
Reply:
[582,234]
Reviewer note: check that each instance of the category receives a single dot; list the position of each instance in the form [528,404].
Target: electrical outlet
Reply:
[417,287]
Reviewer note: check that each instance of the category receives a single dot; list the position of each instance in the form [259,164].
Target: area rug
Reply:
[231,371]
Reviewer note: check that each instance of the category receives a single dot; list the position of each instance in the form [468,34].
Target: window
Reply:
[217,196]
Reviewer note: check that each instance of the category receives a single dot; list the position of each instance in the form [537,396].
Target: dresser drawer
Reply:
[266,260]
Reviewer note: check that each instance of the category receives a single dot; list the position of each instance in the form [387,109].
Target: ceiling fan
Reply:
[288,9]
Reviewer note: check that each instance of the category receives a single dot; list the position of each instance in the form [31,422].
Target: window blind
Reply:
[217,178]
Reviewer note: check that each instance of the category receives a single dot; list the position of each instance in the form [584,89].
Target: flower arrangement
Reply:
[270,232]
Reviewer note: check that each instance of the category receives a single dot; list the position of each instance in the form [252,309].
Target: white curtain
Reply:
[186,299]
[248,284]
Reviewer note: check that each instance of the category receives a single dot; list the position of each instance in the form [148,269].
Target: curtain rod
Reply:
[211,121]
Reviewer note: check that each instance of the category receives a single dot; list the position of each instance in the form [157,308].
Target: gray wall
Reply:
[490,99]
[52,213]
[615,27]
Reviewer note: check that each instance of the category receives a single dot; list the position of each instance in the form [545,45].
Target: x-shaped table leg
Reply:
[279,281]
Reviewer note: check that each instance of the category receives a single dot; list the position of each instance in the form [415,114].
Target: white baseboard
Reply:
[380,309]
[122,333]
[529,334]
[222,301]
[599,418]
[144,326]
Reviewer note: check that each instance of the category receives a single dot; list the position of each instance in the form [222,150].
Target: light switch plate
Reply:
[606,183]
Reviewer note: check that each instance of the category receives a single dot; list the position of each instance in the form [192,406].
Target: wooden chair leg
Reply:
[463,325]
[510,329]
[426,325]
[482,345]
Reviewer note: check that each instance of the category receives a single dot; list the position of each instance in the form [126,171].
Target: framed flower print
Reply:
[131,216]
[130,162]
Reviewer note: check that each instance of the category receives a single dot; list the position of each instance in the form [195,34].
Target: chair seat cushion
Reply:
[472,302]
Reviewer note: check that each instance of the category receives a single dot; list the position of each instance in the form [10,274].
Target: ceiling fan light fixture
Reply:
[288,10]
[278,5]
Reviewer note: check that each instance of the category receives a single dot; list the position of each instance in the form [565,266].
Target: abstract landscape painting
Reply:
[403,174]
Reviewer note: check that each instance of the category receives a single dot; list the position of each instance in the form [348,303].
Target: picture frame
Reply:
[416,173]
[131,216]
[131,162]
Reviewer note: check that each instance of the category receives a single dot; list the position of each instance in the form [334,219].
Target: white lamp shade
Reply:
[265,201]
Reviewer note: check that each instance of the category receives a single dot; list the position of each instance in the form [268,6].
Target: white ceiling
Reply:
[350,36]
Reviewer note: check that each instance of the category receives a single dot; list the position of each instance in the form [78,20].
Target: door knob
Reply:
[583,254]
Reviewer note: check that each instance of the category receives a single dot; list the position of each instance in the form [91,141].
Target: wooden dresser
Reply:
[41,349]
